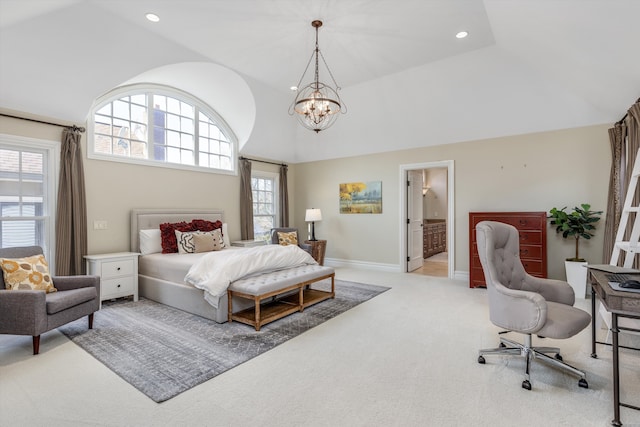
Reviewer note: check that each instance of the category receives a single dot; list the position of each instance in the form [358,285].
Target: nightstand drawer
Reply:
[113,288]
[117,268]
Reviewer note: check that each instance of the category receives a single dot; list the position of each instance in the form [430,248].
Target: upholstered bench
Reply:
[288,291]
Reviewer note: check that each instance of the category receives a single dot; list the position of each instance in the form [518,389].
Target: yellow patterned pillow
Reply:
[31,273]
[290,238]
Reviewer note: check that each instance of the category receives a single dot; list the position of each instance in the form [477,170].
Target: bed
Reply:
[161,277]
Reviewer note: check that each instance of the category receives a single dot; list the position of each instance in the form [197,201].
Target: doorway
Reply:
[427,218]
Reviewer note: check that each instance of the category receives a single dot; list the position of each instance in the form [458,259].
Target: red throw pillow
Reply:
[204,225]
[168,235]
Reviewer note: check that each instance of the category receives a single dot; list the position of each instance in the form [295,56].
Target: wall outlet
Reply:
[99,225]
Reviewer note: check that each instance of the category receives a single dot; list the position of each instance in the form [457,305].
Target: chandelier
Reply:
[317,104]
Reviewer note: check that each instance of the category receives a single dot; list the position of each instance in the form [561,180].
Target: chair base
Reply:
[526,350]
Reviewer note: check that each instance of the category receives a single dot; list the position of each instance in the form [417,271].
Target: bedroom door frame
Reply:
[404,176]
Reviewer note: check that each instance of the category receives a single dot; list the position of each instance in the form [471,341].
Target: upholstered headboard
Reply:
[143,219]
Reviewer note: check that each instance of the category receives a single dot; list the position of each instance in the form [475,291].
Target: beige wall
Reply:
[528,172]
[533,172]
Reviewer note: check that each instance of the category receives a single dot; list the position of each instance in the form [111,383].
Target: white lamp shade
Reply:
[313,215]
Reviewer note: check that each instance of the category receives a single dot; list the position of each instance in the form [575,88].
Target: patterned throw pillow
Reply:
[30,273]
[204,225]
[199,241]
[184,242]
[207,242]
[288,238]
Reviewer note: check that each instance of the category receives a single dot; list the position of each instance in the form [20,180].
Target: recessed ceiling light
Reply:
[462,34]
[294,88]
[152,17]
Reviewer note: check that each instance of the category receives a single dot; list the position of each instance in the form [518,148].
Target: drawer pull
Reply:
[524,252]
[118,268]
[523,222]
[119,285]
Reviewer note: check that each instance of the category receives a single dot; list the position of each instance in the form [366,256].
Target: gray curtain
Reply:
[625,141]
[71,215]
[246,201]
[283,203]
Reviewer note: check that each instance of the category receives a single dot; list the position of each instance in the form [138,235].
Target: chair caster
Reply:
[526,384]
[583,383]
[481,360]
[557,356]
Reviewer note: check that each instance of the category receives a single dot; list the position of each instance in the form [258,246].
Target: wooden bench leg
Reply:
[301,298]
[229,306]
[258,321]
[333,286]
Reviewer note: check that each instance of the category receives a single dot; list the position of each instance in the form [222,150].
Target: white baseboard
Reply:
[461,275]
[393,268]
[334,262]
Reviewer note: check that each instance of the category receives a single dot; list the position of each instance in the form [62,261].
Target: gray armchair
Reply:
[301,244]
[519,302]
[28,312]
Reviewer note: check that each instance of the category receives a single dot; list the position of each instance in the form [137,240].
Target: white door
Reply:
[414,222]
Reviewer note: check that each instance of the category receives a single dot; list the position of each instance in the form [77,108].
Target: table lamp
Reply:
[312,216]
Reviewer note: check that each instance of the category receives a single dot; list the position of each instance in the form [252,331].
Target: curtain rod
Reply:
[262,161]
[74,127]
[619,122]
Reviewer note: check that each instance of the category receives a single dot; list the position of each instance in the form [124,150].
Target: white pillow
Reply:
[150,241]
[225,236]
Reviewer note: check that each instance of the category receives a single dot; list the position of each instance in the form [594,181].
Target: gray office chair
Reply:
[519,302]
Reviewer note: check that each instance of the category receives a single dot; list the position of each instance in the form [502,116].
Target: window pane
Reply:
[173,105]
[140,99]
[173,122]
[121,109]
[186,125]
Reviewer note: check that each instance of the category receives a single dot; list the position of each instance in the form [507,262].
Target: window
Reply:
[161,126]
[265,204]
[27,181]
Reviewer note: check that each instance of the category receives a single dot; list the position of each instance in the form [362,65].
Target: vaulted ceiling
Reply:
[526,66]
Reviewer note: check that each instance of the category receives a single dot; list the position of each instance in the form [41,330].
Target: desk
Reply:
[619,304]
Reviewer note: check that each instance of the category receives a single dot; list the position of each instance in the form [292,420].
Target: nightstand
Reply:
[318,247]
[248,243]
[118,274]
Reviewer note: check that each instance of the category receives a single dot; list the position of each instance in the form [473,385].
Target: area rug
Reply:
[163,351]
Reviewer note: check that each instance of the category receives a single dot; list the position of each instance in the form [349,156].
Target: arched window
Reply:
[162,126]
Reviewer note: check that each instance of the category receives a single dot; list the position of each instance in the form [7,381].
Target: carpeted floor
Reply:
[163,351]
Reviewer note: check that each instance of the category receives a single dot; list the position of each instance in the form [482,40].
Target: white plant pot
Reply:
[577,277]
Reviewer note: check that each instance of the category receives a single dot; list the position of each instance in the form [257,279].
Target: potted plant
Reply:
[580,223]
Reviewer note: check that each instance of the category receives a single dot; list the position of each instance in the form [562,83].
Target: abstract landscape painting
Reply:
[361,197]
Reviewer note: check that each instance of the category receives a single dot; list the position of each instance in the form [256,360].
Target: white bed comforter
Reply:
[215,271]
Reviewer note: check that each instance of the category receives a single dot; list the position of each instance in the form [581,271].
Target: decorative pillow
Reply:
[288,238]
[168,235]
[150,241]
[204,225]
[30,273]
[184,242]
[209,241]
[199,241]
